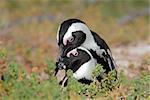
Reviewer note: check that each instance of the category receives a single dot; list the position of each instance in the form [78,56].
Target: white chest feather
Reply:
[85,71]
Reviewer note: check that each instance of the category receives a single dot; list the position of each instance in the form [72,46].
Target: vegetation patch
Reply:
[17,84]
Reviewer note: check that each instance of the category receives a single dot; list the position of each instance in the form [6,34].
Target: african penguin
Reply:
[81,62]
[73,33]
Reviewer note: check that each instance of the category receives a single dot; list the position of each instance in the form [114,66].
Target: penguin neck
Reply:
[90,44]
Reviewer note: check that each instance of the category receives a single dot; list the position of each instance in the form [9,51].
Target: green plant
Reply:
[18,85]
[140,87]
[96,88]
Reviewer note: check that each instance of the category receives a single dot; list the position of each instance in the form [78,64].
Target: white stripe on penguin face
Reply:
[73,28]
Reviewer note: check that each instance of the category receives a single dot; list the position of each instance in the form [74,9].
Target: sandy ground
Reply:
[130,56]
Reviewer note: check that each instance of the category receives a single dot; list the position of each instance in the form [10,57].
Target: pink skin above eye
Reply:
[70,39]
[65,41]
[73,52]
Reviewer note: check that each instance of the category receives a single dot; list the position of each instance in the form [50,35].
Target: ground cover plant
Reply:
[16,84]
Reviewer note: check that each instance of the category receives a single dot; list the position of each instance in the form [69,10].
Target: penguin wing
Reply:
[100,42]
[103,45]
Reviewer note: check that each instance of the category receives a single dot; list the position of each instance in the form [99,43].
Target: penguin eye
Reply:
[71,39]
[76,54]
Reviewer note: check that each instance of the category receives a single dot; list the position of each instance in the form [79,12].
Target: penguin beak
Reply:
[60,65]
[60,73]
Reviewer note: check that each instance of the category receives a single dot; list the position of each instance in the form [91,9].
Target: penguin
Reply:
[73,33]
[81,62]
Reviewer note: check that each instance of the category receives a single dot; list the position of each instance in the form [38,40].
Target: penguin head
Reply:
[72,33]
[74,59]
[80,61]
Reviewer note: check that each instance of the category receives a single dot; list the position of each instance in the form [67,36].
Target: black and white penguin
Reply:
[81,62]
[73,33]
